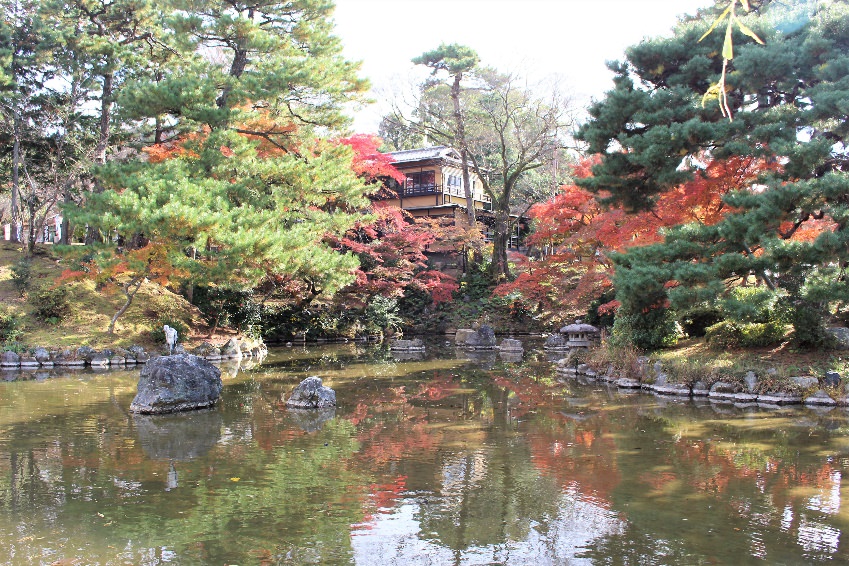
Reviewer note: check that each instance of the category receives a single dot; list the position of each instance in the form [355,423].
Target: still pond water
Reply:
[442,460]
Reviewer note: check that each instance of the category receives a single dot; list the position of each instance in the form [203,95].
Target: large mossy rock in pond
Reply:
[177,383]
[311,394]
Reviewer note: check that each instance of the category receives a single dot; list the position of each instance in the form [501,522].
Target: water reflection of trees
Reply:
[726,489]
[503,464]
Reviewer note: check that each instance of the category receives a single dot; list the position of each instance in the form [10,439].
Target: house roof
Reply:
[423,153]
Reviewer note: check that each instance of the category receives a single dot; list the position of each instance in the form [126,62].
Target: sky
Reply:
[541,40]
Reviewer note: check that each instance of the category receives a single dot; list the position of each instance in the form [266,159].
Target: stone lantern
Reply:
[580,335]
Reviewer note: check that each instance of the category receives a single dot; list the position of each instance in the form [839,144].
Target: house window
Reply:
[421,182]
[455,185]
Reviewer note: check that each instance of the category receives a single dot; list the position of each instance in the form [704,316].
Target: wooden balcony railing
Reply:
[423,189]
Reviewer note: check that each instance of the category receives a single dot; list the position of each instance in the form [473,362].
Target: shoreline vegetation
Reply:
[778,376]
[82,330]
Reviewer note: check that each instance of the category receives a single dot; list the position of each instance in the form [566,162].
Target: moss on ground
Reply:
[91,309]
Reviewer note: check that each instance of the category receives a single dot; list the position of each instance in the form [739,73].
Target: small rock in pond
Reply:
[311,394]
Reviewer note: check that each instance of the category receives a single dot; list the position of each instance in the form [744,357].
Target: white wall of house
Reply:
[51,233]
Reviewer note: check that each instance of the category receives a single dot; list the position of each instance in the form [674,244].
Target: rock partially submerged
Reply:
[169,384]
[481,339]
[511,345]
[311,394]
[414,345]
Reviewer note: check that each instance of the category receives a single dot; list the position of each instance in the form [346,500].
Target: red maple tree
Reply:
[574,235]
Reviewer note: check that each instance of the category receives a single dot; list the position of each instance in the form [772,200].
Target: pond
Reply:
[440,460]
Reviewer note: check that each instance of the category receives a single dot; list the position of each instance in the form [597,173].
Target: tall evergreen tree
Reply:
[457,61]
[245,187]
[22,56]
[788,99]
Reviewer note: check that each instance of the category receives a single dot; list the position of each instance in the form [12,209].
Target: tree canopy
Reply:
[245,180]
[787,229]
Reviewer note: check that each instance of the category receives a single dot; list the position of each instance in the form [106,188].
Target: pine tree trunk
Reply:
[16,191]
[129,293]
[66,239]
[460,128]
[93,235]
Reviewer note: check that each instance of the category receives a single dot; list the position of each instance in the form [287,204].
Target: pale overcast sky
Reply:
[567,39]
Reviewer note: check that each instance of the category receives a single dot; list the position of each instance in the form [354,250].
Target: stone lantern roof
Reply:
[579,327]
[579,335]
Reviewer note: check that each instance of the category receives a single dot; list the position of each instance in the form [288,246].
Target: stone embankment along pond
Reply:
[43,358]
[807,390]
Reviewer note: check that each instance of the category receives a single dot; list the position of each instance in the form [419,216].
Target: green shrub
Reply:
[809,329]
[695,321]
[51,304]
[651,330]
[10,327]
[22,275]
[750,304]
[597,319]
[477,284]
[228,307]
[382,314]
[14,346]
[730,334]
[284,322]
[415,303]
[157,332]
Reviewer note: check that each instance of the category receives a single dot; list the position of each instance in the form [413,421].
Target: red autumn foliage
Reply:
[368,161]
[574,235]
[391,249]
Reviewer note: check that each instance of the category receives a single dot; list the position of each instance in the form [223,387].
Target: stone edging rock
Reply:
[120,358]
[721,392]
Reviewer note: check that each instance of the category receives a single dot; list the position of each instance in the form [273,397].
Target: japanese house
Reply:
[434,187]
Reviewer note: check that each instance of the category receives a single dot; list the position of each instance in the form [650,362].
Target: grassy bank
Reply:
[89,309]
[694,360]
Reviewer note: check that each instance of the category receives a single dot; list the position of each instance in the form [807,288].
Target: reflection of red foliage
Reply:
[359,414]
[579,458]
[382,498]
[530,393]
[776,476]
[440,387]
[408,438]
[657,479]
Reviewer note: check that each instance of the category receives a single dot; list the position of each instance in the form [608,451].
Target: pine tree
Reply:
[242,187]
[788,230]
[457,61]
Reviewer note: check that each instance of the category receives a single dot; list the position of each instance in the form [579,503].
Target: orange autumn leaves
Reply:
[574,235]
[150,261]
